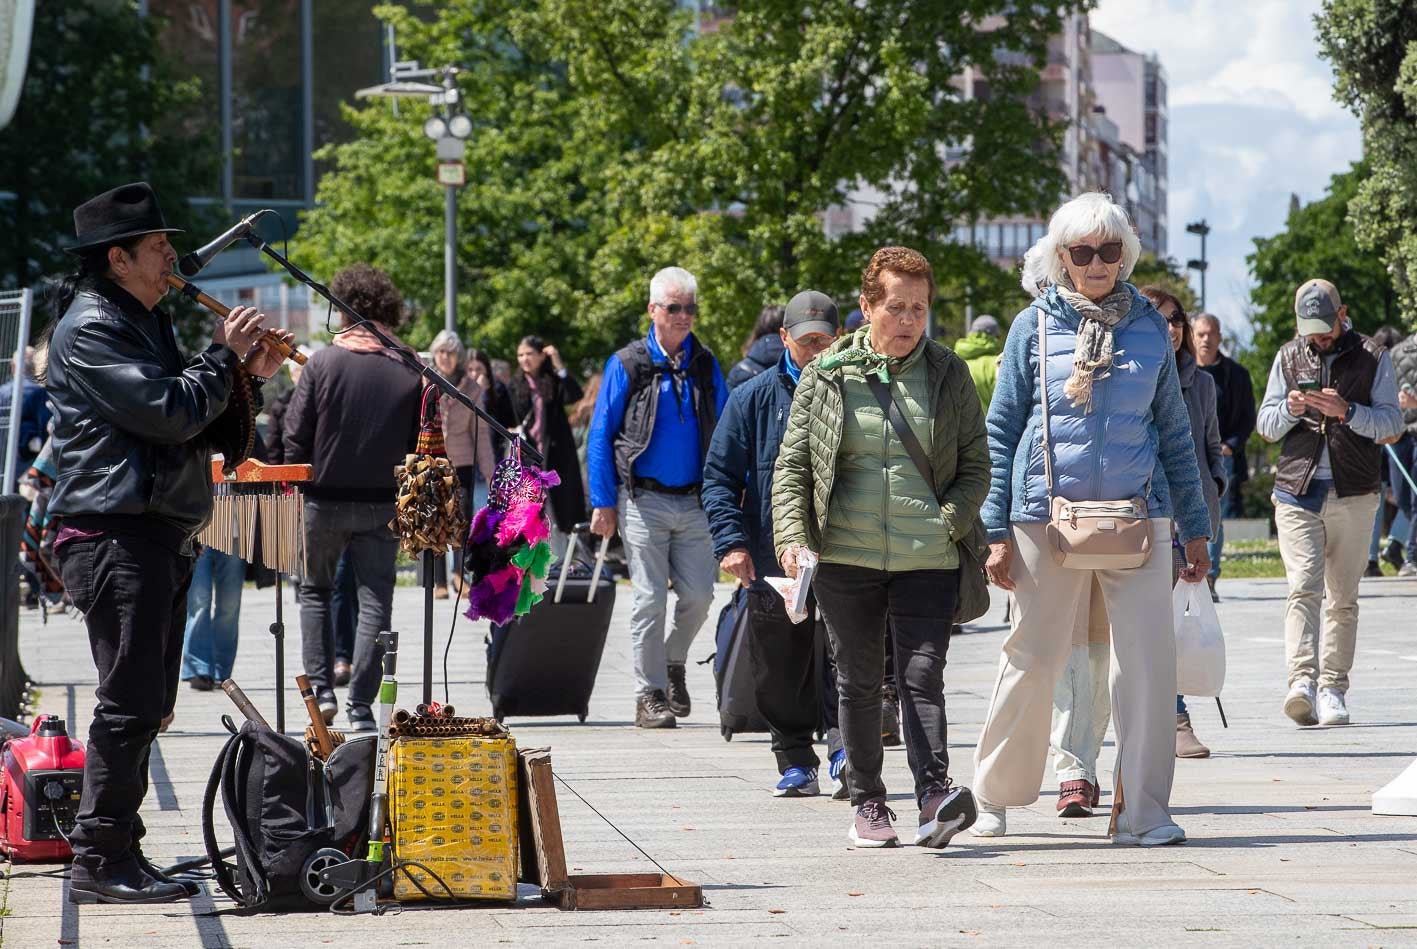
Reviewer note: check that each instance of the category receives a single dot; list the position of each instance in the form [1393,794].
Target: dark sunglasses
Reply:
[1082,254]
[674,309]
[1175,319]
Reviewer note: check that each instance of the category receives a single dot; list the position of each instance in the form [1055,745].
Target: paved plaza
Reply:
[1283,847]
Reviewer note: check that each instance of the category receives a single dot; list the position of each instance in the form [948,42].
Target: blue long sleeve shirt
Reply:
[674,456]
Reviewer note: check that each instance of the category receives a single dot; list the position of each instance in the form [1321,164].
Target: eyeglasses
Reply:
[674,309]
[1175,319]
[1082,254]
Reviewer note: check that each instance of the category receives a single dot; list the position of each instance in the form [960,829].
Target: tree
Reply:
[1372,45]
[97,110]
[1152,271]
[1318,240]
[619,137]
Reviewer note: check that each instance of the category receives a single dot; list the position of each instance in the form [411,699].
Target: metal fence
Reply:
[14,336]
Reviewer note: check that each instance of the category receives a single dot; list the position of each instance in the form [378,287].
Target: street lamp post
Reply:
[1200,228]
[449,128]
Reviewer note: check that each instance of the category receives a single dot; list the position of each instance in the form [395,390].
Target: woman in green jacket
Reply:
[885,529]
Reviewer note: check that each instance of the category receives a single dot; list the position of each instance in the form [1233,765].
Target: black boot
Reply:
[890,718]
[122,882]
[678,691]
[147,866]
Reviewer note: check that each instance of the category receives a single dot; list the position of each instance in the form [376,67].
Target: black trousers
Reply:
[133,593]
[785,677]
[918,607]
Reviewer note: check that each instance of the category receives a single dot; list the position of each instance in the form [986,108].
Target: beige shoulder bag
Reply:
[1089,535]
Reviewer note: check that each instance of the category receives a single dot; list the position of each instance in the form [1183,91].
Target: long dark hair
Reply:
[538,344]
[1160,297]
[60,292]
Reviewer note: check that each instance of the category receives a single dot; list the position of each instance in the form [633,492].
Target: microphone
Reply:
[192,263]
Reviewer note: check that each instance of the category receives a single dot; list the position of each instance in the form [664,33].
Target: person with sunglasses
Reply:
[660,398]
[1118,428]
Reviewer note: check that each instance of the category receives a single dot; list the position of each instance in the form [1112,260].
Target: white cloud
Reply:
[1252,121]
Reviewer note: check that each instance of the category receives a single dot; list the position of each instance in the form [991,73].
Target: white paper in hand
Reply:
[794,590]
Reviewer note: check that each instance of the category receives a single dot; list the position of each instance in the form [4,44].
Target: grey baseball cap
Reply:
[1316,305]
[985,324]
[811,311]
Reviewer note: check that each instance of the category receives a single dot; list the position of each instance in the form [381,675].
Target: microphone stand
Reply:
[431,375]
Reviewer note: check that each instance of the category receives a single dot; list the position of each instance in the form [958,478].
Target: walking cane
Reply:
[1406,475]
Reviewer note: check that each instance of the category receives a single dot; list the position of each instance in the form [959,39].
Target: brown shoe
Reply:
[343,670]
[1077,798]
[1187,744]
[652,711]
[440,593]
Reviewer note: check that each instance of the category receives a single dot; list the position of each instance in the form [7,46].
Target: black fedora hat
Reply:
[124,212]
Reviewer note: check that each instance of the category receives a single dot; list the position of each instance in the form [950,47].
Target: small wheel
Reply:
[316,891]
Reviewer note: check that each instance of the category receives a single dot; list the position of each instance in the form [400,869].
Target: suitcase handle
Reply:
[582,528]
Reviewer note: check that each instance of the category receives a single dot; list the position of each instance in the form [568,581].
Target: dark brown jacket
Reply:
[1356,461]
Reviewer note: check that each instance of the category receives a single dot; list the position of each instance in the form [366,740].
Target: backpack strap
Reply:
[229,771]
[224,872]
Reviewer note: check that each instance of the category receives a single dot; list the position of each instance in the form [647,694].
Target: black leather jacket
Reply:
[133,423]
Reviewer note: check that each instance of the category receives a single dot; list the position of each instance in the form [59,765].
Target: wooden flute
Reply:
[269,337]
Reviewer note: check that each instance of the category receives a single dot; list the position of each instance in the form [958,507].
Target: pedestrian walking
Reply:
[660,398]
[213,619]
[1404,466]
[354,417]
[885,528]
[981,349]
[466,437]
[1081,703]
[541,390]
[1235,409]
[135,426]
[764,348]
[1391,524]
[1109,422]
[1330,401]
[738,476]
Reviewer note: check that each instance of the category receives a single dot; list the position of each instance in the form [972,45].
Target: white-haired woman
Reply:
[1118,429]
[466,437]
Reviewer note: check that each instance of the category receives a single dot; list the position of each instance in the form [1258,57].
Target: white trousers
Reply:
[1013,746]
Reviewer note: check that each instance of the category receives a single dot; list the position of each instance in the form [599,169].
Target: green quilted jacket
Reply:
[813,463]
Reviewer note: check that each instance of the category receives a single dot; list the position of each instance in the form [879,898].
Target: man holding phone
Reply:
[1332,402]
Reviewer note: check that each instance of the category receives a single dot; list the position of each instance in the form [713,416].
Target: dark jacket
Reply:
[354,416]
[737,492]
[1356,461]
[34,415]
[1404,367]
[275,427]
[135,422]
[557,443]
[763,355]
[1235,409]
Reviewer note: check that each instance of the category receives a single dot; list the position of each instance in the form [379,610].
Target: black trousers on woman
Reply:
[858,604]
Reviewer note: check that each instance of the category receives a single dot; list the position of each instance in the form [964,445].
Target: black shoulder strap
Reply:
[882,392]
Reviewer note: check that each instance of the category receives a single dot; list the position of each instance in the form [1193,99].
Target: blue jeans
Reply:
[1229,507]
[213,615]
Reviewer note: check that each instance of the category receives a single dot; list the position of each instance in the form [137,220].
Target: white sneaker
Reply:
[1299,703]
[1407,570]
[1162,836]
[990,822]
[1333,710]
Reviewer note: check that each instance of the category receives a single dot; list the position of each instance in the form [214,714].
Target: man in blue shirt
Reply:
[660,398]
[738,500]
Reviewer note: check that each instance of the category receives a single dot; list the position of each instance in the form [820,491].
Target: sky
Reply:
[1252,120]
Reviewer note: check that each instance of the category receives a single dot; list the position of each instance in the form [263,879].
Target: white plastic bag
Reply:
[1200,644]
[793,590]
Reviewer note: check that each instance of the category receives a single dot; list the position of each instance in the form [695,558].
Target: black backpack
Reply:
[291,815]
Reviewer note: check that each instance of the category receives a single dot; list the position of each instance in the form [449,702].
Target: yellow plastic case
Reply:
[453,806]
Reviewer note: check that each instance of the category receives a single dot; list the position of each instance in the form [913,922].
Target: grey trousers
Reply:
[666,541]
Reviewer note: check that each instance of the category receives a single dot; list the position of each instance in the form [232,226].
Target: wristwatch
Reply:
[1348,416]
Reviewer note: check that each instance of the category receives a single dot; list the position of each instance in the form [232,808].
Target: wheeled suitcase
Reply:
[545,663]
[733,670]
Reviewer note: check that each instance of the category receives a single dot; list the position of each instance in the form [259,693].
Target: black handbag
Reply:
[972,601]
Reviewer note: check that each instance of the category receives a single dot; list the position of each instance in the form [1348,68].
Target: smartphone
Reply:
[1308,385]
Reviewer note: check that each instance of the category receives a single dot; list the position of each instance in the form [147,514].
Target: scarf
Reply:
[860,353]
[1094,345]
[538,411]
[360,340]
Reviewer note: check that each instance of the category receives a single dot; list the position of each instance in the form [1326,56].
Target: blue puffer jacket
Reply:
[1136,439]
[737,491]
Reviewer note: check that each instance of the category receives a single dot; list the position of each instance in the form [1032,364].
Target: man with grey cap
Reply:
[1332,402]
[737,497]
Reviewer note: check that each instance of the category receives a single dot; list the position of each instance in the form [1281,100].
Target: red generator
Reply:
[39,797]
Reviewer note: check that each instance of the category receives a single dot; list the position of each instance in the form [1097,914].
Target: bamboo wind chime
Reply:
[258,513]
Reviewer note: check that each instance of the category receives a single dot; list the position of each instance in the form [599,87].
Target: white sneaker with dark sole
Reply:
[952,814]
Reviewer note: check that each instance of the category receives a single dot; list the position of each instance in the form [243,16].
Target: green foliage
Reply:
[1167,274]
[1318,241]
[619,137]
[1373,47]
[96,112]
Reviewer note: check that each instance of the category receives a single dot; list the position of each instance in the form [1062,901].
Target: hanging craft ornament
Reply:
[428,514]
[507,555]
